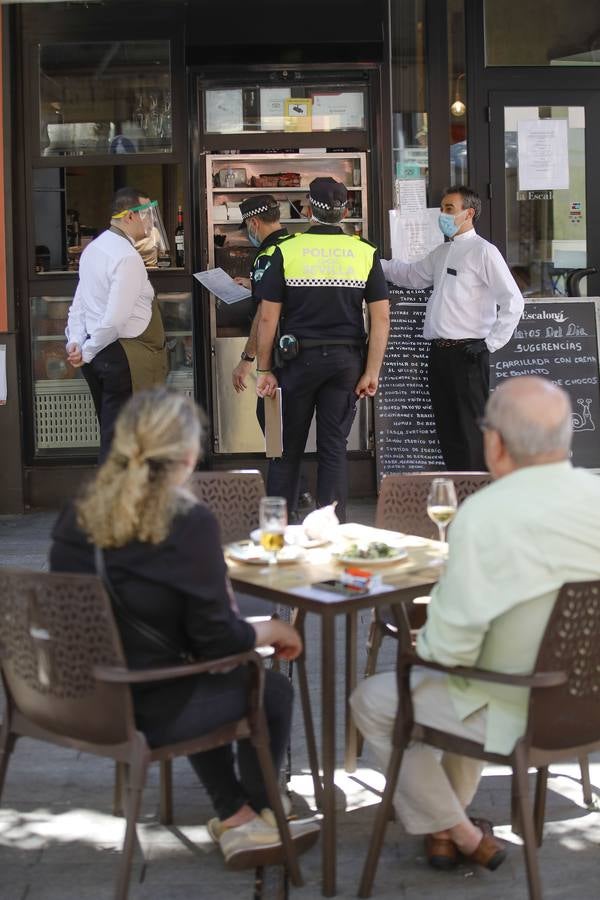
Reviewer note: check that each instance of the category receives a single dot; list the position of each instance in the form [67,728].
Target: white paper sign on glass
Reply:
[343,110]
[415,235]
[272,108]
[411,195]
[224,111]
[543,154]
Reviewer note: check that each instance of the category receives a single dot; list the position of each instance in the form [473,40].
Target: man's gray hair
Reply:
[470,198]
[328,216]
[526,433]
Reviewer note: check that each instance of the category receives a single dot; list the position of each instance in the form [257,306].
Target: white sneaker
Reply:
[258,844]
[216,829]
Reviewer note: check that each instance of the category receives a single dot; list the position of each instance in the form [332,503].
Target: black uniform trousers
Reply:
[459,386]
[321,379]
[109,380]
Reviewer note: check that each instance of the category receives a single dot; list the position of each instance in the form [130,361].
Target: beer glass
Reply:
[273,521]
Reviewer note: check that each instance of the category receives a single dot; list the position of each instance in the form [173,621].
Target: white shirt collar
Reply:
[465,235]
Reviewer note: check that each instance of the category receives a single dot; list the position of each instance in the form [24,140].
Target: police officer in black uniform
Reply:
[260,215]
[316,283]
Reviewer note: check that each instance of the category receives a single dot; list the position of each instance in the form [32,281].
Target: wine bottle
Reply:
[179,240]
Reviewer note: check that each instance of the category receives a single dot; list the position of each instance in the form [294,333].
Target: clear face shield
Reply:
[155,243]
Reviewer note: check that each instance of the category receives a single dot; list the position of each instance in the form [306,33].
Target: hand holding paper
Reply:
[219,283]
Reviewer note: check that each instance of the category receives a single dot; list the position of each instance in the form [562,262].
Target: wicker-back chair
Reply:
[67,683]
[402,503]
[233,497]
[402,506]
[563,717]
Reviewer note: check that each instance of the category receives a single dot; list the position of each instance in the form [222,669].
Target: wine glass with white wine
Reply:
[441,504]
[273,522]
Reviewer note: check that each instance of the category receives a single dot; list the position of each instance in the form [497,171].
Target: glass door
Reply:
[545,201]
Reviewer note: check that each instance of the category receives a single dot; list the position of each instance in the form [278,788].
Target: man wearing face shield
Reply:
[473,310]
[114,329]
[154,244]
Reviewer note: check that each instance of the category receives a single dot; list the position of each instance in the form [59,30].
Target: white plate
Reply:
[254,555]
[295,536]
[367,563]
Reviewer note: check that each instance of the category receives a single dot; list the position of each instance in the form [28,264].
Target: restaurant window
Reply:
[459,173]
[71,206]
[409,90]
[542,33]
[110,97]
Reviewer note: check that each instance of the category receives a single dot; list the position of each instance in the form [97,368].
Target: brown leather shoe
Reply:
[489,853]
[441,853]
[484,825]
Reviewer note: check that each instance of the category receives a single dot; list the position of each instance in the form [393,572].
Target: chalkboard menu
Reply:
[556,339]
[405,435]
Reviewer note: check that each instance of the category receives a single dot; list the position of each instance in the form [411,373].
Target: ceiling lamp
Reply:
[458,107]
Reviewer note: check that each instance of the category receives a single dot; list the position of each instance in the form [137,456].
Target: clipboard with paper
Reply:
[274,426]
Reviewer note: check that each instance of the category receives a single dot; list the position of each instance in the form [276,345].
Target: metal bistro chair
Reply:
[563,717]
[67,683]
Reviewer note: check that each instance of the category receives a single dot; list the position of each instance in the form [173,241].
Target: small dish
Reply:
[254,555]
[363,563]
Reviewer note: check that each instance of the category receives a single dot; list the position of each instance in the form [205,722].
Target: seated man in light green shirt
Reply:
[512,546]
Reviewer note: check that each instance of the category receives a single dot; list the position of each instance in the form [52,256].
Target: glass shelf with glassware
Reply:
[100,97]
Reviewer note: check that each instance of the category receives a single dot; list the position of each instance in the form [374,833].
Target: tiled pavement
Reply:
[58,840]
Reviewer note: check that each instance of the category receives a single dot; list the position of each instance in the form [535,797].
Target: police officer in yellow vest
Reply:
[114,330]
[261,218]
[314,288]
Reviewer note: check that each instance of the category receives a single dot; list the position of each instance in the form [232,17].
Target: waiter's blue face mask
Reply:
[447,223]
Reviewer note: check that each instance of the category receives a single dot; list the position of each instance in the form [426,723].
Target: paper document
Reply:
[273,426]
[222,285]
[3,380]
[543,154]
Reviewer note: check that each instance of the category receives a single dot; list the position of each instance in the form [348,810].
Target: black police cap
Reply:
[260,203]
[327,193]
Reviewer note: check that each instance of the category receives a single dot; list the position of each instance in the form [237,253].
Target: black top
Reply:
[179,587]
[322,283]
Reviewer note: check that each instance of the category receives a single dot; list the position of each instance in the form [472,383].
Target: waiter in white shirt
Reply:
[473,311]
[114,329]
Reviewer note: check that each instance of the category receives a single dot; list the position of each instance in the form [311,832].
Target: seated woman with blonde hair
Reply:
[163,560]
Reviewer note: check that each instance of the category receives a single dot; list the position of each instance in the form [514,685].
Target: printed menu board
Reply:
[556,339]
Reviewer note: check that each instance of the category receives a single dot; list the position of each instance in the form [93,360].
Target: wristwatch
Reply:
[247,358]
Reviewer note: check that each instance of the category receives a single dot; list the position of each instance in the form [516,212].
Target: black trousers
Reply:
[109,381]
[215,701]
[459,386]
[321,379]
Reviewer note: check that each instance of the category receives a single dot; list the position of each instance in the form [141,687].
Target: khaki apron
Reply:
[147,353]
